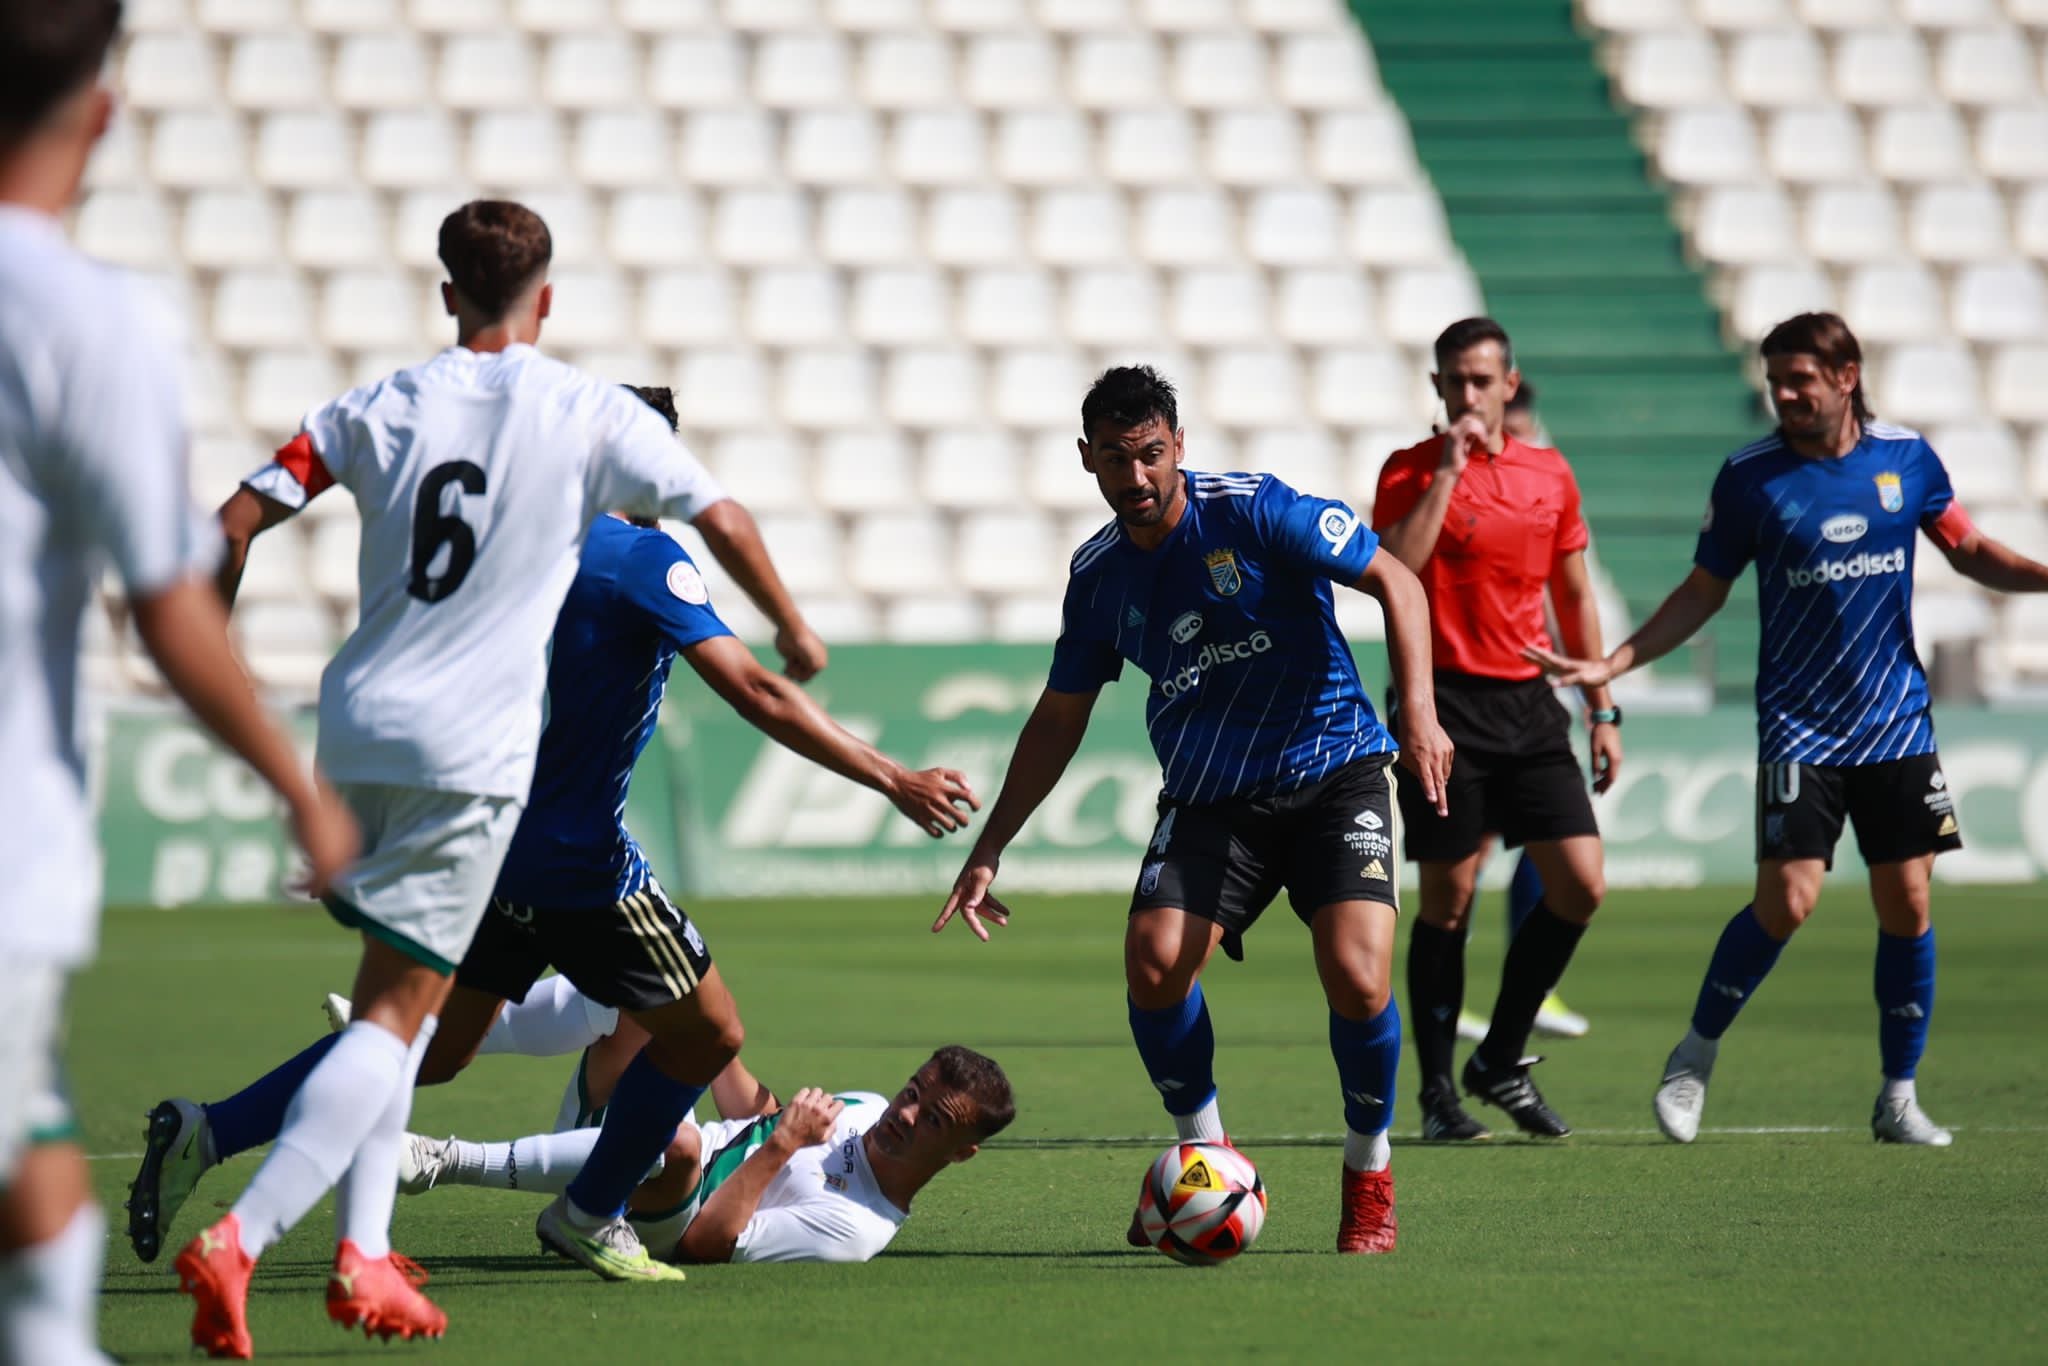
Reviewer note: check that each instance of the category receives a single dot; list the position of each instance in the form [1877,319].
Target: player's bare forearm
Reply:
[713,1234]
[1045,747]
[1406,606]
[1997,566]
[1691,605]
[1578,620]
[246,515]
[739,1094]
[1412,540]
[734,539]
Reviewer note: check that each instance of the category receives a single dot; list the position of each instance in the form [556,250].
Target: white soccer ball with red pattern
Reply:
[1202,1204]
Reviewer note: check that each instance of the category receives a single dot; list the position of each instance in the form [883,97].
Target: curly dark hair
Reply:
[1129,396]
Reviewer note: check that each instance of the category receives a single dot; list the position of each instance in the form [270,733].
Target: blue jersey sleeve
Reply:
[1728,532]
[1938,492]
[659,580]
[1319,536]
[1082,661]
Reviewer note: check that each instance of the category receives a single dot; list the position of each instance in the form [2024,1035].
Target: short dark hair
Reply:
[1524,399]
[1130,396]
[494,250]
[1466,333]
[1825,337]
[976,1076]
[661,398]
[48,49]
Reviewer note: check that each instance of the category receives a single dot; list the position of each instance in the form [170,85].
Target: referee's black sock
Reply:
[1436,992]
[1536,961]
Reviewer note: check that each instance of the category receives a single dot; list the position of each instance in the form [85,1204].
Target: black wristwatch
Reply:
[1606,716]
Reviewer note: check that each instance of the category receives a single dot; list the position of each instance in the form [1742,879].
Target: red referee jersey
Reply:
[1512,518]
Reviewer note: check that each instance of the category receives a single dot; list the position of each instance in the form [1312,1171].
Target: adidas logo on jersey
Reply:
[1209,658]
[1862,565]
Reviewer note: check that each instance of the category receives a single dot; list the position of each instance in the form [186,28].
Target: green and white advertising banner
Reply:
[724,811]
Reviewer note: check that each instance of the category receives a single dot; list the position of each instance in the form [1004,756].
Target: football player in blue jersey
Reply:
[575,891]
[1217,586]
[1828,508]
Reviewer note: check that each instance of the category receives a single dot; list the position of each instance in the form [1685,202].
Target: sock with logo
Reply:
[1537,958]
[1741,961]
[341,1101]
[49,1293]
[368,1190]
[1905,1000]
[638,1124]
[253,1115]
[1436,993]
[1178,1048]
[1525,894]
[1368,1054]
[545,1163]
[555,1018]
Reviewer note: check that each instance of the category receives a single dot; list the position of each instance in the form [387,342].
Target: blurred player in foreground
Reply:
[576,890]
[1827,507]
[823,1178]
[1490,524]
[92,475]
[477,475]
[1217,586]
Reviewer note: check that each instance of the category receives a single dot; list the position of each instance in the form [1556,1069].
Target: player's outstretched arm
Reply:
[1689,607]
[184,628]
[1578,630]
[246,515]
[1425,749]
[806,1120]
[936,800]
[1045,747]
[734,539]
[1993,563]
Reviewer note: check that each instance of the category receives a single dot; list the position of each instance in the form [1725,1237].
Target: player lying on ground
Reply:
[92,481]
[1217,586]
[822,1178]
[1827,507]
[1491,524]
[577,891]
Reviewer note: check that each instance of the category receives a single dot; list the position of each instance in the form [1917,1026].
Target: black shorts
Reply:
[1902,808]
[1514,773]
[1328,842]
[636,954]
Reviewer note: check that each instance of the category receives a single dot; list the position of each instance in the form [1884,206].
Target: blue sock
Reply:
[1905,1001]
[1368,1054]
[1179,1051]
[642,1117]
[1741,961]
[253,1115]
[1525,894]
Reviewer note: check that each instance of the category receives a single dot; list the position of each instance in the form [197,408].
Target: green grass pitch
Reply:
[1783,1234]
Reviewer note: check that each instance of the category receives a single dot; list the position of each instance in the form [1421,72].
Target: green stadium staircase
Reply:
[1573,242]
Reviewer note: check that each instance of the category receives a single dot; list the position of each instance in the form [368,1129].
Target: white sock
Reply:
[574,1111]
[545,1163]
[1367,1152]
[1204,1125]
[338,1104]
[1899,1088]
[364,1198]
[49,1294]
[555,1018]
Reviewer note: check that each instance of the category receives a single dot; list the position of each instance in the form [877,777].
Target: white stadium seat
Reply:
[723,390]
[1295,16]
[769,16]
[977,16]
[117,158]
[1363,147]
[572,218]
[415,236]
[866,471]
[902,306]
[1765,295]
[1676,69]
[1038,387]
[691,307]
[794,306]
[834,147]
[225,229]
[1077,16]
[1854,223]
[2000,303]
[591,71]
[934,387]
[1255,387]
[2012,144]
[308,149]
[1777,67]
[899,553]
[593,307]
[253,308]
[349,16]
[906,71]
[974,227]
[761,227]
[1986,66]
[1011,71]
[924,620]
[802,71]
[1399,227]
[1256,147]
[939,147]
[245,16]
[381,71]
[728,147]
[808,550]
[867,226]
[1080,227]
[1008,552]
[656,228]
[1924,143]
[1821,145]
[1187,16]
[876,16]
[1008,307]
[276,71]
[280,387]
[623,149]
[125,227]
[1635,16]
[363,310]
[487,71]
[331,558]
[1838,16]
[1054,476]
[1185,228]
[1151,147]
[2016,391]
[457,16]
[1958,223]
[1219,71]
[1044,148]
[1117,70]
[169,71]
[409,150]
[1710,145]
[1418,301]
[1745,225]
[1112,306]
[1294,227]
[764,470]
[2030,222]
[1882,67]
[1983,461]
[1326,307]
[192,150]
[973,467]
[518,150]
[560,16]
[1362,387]
[1927,382]
[1220,307]
[1896,302]
[1303,458]
[1325,70]
[696,71]
[1940,14]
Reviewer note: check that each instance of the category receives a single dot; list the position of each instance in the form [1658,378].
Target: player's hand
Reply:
[1568,672]
[1465,439]
[933,797]
[802,650]
[1426,752]
[808,1117]
[327,833]
[1606,747]
[971,899]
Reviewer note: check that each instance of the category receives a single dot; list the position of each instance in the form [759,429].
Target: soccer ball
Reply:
[1202,1203]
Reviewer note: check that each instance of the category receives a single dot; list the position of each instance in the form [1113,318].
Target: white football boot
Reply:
[1556,1020]
[1682,1095]
[1899,1119]
[422,1161]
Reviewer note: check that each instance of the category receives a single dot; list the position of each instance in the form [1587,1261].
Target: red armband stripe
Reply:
[302,463]
[1952,527]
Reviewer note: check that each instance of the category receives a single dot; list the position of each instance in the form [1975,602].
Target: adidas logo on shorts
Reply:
[1375,870]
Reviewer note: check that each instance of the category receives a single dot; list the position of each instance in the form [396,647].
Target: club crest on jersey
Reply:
[1890,495]
[1223,574]
[686,583]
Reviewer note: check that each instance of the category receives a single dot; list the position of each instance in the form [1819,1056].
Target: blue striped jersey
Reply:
[636,600]
[1838,681]
[1254,692]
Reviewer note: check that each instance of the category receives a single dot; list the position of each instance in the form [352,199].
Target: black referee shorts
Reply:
[1514,773]
[638,954]
[1225,861]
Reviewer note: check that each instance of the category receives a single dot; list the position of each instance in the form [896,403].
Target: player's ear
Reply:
[1180,446]
[1849,376]
[99,112]
[448,299]
[545,304]
[962,1154]
[1087,458]
[1513,382]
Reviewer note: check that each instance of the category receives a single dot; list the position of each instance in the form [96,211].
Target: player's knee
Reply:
[1156,981]
[729,1036]
[1577,900]
[1359,998]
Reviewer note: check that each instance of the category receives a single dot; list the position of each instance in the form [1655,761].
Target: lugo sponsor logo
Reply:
[1185,627]
[1844,529]
[1210,657]
[1862,565]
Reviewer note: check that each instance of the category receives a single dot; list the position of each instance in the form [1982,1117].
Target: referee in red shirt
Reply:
[1489,523]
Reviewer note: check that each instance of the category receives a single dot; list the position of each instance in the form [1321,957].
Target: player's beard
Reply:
[1153,514]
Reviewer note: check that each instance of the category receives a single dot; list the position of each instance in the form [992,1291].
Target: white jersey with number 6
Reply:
[477,475]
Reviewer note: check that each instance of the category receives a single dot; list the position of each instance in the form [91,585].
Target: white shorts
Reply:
[429,862]
[32,1104]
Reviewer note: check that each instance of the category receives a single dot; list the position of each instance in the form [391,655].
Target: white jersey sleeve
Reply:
[639,468]
[825,1205]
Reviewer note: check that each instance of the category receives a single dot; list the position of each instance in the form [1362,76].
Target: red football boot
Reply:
[1367,1224]
[214,1271]
[380,1295]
